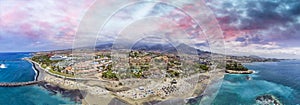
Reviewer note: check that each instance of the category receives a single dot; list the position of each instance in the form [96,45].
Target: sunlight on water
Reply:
[2,66]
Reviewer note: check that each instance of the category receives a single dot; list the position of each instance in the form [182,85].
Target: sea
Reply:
[17,70]
[280,79]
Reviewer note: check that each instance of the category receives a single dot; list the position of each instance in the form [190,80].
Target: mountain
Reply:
[141,46]
[191,50]
[165,48]
[154,47]
[254,56]
[168,48]
[104,46]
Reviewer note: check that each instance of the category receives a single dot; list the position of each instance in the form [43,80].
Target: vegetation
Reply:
[45,62]
[102,56]
[145,67]
[60,73]
[137,75]
[44,59]
[202,66]
[235,66]
[173,73]
[140,63]
[109,74]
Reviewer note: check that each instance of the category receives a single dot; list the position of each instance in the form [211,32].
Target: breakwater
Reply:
[16,84]
[38,78]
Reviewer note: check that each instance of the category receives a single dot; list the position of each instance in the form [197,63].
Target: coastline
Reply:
[41,75]
[239,72]
[73,88]
[264,83]
[91,88]
[33,66]
[37,72]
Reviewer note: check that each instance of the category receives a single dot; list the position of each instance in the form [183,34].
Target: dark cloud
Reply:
[295,8]
[250,39]
[240,39]
[275,20]
[258,14]
[269,13]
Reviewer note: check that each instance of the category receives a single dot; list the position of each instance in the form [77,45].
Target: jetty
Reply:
[17,84]
[39,78]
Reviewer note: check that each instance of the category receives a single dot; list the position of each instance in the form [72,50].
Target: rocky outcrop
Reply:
[267,100]
[239,72]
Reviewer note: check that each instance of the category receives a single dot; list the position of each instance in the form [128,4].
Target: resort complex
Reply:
[135,76]
[144,76]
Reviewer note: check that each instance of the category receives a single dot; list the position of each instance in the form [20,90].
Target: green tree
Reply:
[109,74]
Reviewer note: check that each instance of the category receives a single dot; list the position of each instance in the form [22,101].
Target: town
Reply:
[135,75]
[142,75]
[140,65]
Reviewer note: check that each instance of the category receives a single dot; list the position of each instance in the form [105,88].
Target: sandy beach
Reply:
[91,94]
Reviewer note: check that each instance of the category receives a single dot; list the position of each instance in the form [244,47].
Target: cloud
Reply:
[275,19]
[52,22]
[270,50]
[251,25]
[263,27]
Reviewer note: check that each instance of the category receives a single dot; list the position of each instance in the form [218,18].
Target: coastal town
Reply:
[142,77]
[149,75]
[150,52]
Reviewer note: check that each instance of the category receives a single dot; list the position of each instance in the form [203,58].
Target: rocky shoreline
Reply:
[38,75]
[75,95]
[267,99]
[239,72]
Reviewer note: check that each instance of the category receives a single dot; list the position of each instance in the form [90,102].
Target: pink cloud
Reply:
[46,21]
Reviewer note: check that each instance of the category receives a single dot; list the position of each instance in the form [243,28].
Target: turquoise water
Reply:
[18,70]
[281,79]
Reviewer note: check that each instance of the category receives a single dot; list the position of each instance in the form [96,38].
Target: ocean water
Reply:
[18,70]
[281,79]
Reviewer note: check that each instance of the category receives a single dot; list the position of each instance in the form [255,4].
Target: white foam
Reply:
[2,66]
[255,72]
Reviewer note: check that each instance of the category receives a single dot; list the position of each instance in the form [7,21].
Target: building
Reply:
[58,57]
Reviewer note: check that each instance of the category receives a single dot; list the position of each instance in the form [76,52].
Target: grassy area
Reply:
[45,62]
[61,74]
[44,59]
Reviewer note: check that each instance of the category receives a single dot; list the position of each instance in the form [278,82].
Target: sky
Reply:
[268,28]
